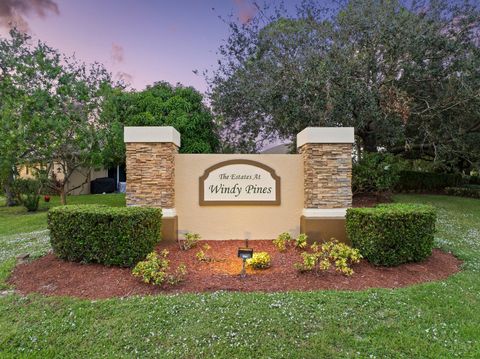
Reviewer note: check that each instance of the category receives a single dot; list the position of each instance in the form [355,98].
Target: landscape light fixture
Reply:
[244,253]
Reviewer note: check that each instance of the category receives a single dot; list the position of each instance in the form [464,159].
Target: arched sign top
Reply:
[239,182]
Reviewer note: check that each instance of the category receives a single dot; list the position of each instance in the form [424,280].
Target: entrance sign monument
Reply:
[228,196]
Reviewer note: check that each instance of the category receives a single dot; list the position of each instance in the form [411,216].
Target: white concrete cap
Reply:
[324,212]
[169,212]
[326,135]
[151,134]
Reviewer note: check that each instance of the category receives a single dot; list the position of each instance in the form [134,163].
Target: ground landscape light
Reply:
[244,253]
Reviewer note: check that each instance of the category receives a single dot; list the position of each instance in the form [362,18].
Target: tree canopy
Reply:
[406,75]
[59,113]
[160,105]
[49,110]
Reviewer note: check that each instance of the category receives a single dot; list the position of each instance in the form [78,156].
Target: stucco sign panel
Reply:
[239,182]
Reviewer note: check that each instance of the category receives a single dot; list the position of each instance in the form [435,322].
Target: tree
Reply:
[405,75]
[50,110]
[77,137]
[160,105]
[25,72]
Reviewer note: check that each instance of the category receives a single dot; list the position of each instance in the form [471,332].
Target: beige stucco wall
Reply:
[25,172]
[240,222]
[76,179]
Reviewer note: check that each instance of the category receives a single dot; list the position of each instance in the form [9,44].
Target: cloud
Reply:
[13,12]
[117,53]
[246,10]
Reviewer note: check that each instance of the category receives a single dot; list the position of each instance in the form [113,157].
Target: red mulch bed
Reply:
[52,276]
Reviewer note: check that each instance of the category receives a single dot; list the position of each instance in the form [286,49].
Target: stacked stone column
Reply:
[150,167]
[327,161]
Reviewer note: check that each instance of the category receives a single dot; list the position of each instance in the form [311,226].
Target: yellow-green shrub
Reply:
[285,241]
[301,241]
[282,241]
[202,255]
[155,269]
[328,254]
[260,260]
[190,241]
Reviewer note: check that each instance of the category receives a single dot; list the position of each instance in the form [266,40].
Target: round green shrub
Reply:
[392,234]
[260,260]
[117,236]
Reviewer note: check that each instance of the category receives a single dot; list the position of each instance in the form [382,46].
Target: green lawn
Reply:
[18,220]
[433,320]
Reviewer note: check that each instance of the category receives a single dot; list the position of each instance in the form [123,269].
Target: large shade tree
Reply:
[50,108]
[27,73]
[406,75]
[160,105]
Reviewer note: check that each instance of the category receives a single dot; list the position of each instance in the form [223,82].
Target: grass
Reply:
[431,320]
[6,267]
[17,220]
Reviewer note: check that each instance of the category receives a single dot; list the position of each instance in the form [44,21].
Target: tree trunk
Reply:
[10,195]
[367,134]
[63,196]
[369,140]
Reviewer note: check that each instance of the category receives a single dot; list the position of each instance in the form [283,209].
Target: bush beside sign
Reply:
[393,234]
[113,236]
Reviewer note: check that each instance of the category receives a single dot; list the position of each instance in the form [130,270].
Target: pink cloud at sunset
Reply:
[139,41]
[118,53]
[246,10]
[13,12]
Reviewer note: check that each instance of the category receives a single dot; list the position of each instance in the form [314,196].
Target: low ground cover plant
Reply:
[260,260]
[325,255]
[202,255]
[301,241]
[285,241]
[108,235]
[282,241]
[155,269]
[392,234]
[190,241]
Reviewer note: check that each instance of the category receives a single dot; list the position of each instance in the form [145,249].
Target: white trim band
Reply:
[160,134]
[326,135]
[169,212]
[324,212]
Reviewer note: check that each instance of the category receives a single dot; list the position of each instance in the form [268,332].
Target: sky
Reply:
[141,41]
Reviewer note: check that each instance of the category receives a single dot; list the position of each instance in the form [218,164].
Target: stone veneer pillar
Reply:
[327,161]
[150,167]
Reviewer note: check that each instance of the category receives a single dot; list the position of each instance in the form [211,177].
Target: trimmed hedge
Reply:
[117,236]
[427,181]
[475,180]
[472,191]
[392,234]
